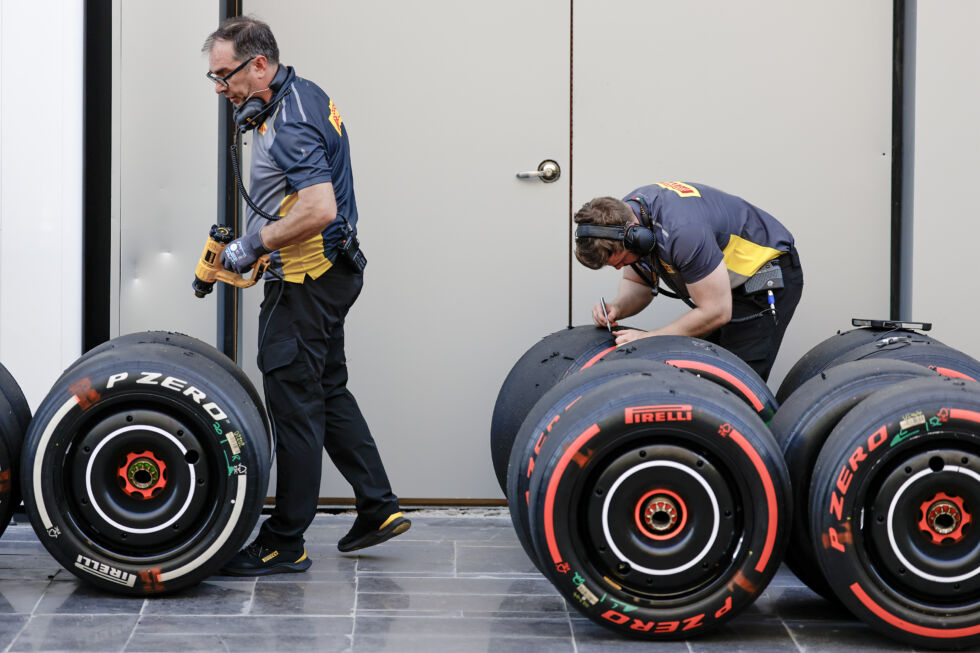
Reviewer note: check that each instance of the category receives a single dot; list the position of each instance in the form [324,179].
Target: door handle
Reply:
[548,171]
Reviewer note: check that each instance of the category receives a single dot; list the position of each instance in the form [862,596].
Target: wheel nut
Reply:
[943,518]
[660,514]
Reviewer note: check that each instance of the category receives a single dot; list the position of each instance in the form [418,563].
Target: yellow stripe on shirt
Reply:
[304,258]
[743,257]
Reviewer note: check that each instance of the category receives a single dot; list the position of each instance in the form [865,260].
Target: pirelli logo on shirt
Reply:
[335,119]
[679,187]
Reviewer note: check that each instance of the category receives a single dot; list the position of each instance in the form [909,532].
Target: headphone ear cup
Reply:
[246,114]
[639,240]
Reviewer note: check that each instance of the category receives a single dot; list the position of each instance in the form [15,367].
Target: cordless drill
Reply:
[209,267]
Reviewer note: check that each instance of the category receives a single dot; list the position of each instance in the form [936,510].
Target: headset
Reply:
[250,113]
[636,238]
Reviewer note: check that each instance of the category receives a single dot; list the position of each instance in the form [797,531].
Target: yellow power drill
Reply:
[209,267]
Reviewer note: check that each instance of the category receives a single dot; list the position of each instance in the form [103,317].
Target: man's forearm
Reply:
[631,298]
[696,322]
[315,208]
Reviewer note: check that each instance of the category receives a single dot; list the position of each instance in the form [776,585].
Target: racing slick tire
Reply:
[894,501]
[802,425]
[659,506]
[145,468]
[819,357]
[541,366]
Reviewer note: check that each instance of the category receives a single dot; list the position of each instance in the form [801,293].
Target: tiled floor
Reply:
[457,581]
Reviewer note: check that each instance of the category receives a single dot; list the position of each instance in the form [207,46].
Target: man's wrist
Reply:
[257,243]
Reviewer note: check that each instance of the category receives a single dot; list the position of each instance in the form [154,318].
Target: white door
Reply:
[445,102]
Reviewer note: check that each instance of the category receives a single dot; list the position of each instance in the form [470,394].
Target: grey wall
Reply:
[947,165]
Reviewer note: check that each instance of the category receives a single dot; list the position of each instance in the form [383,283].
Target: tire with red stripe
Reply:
[819,358]
[915,349]
[894,503]
[540,368]
[802,425]
[145,468]
[660,505]
[704,359]
[537,427]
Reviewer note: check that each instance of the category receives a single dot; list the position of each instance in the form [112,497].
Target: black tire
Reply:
[818,359]
[929,353]
[536,372]
[145,468]
[10,435]
[704,359]
[11,391]
[538,424]
[802,425]
[894,498]
[191,344]
[609,460]
[13,438]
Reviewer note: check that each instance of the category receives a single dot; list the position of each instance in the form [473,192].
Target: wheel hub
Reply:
[943,518]
[142,475]
[660,514]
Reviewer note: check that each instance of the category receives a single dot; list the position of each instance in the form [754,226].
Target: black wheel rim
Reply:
[919,524]
[141,480]
[663,521]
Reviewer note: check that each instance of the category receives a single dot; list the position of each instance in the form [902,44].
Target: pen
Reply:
[602,302]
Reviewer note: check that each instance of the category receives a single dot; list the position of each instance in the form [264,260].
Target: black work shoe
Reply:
[364,534]
[258,560]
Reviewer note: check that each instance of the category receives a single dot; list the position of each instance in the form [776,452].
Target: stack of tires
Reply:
[643,480]
[880,429]
[145,468]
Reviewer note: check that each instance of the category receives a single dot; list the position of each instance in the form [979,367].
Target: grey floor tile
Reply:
[422,643]
[75,633]
[833,637]
[746,635]
[522,604]
[303,598]
[21,596]
[210,597]
[257,626]
[478,628]
[458,585]
[76,597]
[237,642]
[398,557]
[474,559]
[593,638]
[10,627]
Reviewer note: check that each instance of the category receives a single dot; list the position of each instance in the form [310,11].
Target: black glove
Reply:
[242,252]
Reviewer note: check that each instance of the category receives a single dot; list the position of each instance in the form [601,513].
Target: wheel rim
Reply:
[920,535]
[663,521]
[142,483]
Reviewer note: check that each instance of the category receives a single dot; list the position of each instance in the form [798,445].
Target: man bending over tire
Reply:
[301,181]
[735,265]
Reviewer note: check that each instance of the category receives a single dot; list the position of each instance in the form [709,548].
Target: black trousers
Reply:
[757,341]
[305,376]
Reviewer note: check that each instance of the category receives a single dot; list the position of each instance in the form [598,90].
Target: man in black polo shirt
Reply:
[302,184]
[706,246]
